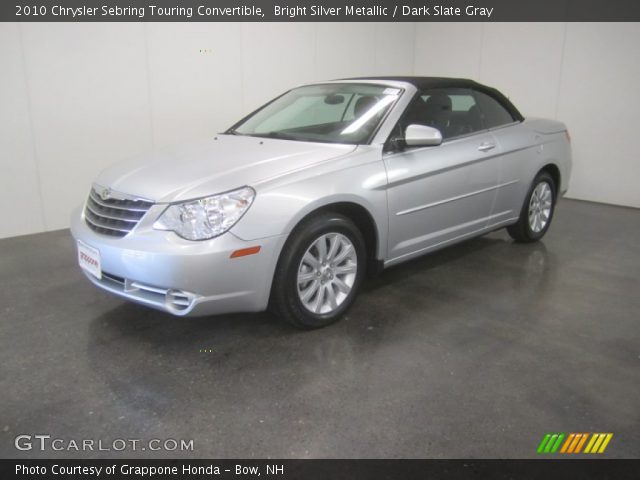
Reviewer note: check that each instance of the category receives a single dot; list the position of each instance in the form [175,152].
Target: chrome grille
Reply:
[114,214]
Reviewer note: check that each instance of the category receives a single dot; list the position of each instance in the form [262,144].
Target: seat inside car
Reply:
[474,119]
[434,112]
[437,112]
[463,123]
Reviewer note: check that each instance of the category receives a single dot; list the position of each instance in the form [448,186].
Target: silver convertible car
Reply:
[294,204]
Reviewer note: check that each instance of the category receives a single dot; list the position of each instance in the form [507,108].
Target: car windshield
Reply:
[333,113]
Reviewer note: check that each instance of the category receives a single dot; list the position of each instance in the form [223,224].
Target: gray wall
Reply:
[585,74]
[77,97]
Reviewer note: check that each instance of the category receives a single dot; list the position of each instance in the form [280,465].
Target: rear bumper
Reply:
[181,277]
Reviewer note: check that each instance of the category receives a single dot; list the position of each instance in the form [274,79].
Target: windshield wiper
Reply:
[276,134]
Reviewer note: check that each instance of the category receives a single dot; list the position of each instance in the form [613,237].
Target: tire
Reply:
[537,211]
[300,269]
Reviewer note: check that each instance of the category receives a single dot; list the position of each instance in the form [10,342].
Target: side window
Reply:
[493,113]
[453,111]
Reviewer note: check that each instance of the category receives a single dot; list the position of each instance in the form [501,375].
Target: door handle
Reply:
[486,146]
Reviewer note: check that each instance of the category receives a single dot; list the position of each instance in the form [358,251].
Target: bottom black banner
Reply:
[320,469]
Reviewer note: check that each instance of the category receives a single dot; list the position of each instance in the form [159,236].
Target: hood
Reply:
[214,166]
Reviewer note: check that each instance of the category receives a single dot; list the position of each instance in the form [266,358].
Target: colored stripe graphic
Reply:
[557,444]
[607,439]
[567,443]
[572,443]
[550,443]
[598,443]
[581,442]
[543,443]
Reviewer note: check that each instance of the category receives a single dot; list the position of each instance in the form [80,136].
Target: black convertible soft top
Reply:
[427,83]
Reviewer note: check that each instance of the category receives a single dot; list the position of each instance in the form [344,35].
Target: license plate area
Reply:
[89,259]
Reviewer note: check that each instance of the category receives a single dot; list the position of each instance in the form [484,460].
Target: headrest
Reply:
[438,101]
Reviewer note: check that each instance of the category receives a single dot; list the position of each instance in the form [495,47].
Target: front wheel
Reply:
[319,272]
[537,210]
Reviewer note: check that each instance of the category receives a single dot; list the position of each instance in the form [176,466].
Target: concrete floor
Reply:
[474,351]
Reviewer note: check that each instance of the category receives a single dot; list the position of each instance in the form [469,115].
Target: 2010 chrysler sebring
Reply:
[292,205]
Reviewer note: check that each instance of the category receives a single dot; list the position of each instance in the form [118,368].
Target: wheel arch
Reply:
[361,216]
[553,170]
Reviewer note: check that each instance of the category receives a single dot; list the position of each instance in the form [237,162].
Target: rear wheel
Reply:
[319,272]
[537,210]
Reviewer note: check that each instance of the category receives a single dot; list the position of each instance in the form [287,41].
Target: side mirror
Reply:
[422,136]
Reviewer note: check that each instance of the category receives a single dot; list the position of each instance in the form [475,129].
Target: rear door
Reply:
[518,146]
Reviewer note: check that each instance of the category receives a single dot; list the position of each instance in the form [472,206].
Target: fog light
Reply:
[178,300]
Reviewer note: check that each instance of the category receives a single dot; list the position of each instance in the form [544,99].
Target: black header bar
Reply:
[319,11]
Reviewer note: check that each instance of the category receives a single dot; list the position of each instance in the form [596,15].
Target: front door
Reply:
[441,193]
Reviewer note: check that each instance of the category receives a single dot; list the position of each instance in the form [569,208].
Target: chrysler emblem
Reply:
[105,194]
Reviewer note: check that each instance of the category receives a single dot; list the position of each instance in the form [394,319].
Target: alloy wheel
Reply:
[540,207]
[326,273]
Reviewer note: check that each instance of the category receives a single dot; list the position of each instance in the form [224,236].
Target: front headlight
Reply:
[207,217]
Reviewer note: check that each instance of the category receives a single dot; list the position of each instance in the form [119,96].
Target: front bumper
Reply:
[161,270]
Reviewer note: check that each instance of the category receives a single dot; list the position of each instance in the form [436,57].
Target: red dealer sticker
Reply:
[89,259]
